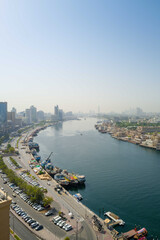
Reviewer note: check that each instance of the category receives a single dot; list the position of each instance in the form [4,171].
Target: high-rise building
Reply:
[28,116]
[11,116]
[60,116]
[56,112]
[15,111]
[40,116]
[5,202]
[33,111]
[3,113]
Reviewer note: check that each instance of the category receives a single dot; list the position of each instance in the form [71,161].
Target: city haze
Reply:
[80,55]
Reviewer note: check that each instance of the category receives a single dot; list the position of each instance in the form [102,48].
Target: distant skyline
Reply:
[80,54]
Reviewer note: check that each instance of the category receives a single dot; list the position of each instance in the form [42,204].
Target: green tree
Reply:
[8,146]
[47,201]
[11,150]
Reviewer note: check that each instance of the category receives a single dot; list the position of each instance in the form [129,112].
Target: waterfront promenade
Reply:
[82,223]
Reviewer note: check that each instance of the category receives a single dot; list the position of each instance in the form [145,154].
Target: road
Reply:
[20,229]
[40,217]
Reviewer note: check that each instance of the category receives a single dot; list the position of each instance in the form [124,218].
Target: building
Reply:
[15,111]
[56,112]
[40,116]
[60,115]
[18,122]
[11,116]
[33,114]
[3,114]
[28,116]
[4,216]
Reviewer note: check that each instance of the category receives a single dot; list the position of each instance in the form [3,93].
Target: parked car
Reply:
[31,221]
[34,225]
[62,224]
[50,212]
[40,209]
[68,228]
[39,227]
[57,220]
[26,218]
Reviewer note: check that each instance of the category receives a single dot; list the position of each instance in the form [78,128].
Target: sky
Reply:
[80,54]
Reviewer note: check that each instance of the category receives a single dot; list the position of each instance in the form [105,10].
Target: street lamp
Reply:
[77,229]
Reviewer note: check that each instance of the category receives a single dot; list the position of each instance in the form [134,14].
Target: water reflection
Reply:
[75,188]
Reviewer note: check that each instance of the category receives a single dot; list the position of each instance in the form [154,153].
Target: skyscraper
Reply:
[56,112]
[33,111]
[3,113]
[14,110]
[60,115]
[28,116]
[40,116]
[11,116]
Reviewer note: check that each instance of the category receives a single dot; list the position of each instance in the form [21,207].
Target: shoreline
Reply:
[137,141]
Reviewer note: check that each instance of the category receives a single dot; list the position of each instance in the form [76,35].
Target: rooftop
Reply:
[4,197]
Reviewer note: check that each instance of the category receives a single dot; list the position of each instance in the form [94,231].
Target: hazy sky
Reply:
[80,54]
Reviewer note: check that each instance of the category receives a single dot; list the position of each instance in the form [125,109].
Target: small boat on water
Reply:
[141,234]
[115,218]
[78,196]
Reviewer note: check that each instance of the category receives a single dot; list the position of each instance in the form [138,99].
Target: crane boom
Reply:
[49,156]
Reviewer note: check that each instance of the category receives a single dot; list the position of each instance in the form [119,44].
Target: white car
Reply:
[69,227]
[59,222]
[55,218]
[62,224]
[65,225]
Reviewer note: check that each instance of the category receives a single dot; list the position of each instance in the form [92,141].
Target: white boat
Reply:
[78,196]
[115,218]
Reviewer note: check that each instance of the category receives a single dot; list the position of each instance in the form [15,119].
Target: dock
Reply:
[113,224]
[115,218]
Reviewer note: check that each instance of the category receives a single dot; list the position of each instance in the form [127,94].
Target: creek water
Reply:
[120,177]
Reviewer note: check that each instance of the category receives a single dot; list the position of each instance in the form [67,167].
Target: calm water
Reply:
[120,177]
